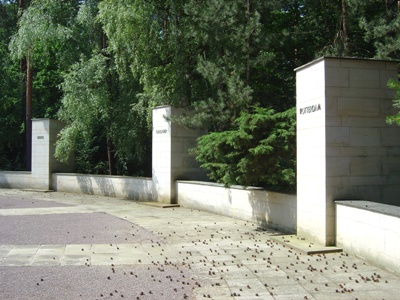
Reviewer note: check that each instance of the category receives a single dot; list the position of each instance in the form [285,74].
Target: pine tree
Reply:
[259,152]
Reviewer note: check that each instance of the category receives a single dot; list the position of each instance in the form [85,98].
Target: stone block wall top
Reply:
[352,62]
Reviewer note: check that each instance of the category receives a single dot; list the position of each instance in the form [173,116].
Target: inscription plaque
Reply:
[161,131]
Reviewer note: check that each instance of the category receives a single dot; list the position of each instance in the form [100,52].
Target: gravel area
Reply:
[12,202]
[93,228]
[96,282]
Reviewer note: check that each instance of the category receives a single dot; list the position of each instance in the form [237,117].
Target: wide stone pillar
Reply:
[345,149]
[44,137]
[171,160]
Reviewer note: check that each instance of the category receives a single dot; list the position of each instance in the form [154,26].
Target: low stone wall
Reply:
[141,189]
[371,231]
[15,180]
[271,209]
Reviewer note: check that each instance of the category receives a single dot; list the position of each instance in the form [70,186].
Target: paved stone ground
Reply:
[68,246]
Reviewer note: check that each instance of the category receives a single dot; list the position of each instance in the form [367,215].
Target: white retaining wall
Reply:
[115,186]
[15,180]
[266,208]
[44,137]
[370,230]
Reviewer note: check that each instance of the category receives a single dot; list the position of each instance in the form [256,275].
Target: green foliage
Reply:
[228,37]
[225,60]
[380,23]
[395,119]
[85,99]
[260,152]
[75,80]
[11,116]
[50,35]
[95,112]
[11,108]
[43,24]
[146,38]
[189,54]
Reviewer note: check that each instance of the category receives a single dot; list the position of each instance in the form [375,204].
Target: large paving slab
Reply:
[92,247]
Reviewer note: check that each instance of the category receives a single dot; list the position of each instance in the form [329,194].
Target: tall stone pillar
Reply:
[44,137]
[171,160]
[345,149]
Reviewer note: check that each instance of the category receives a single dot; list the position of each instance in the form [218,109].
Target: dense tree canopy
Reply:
[11,106]
[102,65]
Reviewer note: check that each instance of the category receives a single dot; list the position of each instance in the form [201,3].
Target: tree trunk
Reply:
[296,7]
[28,112]
[20,6]
[26,68]
[345,29]
[108,81]
[111,157]
[103,42]
[248,45]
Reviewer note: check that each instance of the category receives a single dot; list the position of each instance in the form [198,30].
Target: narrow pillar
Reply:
[171,160]
[44,137]
[345,149]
